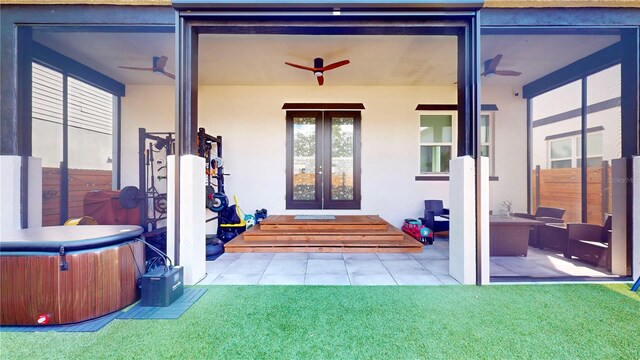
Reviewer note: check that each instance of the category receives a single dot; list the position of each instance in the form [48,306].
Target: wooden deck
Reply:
[345,233]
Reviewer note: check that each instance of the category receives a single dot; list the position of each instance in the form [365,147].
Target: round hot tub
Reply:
[68,274]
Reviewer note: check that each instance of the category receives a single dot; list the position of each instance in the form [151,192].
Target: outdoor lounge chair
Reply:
[548,215]
[436,216]
[590,243]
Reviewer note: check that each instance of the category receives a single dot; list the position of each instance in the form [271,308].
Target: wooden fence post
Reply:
[604,183]
[537,203]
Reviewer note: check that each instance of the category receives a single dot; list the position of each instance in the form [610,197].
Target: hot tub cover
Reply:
[72,238]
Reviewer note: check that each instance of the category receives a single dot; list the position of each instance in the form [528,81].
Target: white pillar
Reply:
[462,247]
[620,197]
[35,192]
[636,217]
[9,193]
[192,216]
[462,227]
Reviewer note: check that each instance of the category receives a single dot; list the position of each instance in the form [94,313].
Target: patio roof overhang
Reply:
[330,4]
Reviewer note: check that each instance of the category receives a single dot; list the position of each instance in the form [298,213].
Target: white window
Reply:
[567,152]
[437,141]
[438,135]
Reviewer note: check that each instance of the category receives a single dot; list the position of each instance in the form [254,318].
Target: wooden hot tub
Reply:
[68,273]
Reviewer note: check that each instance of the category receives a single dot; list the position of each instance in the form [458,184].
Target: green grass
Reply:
[452,322]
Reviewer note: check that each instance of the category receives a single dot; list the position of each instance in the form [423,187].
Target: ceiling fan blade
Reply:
[301,67]
[335,65]
[169,75]
[507,73]
[320,80]
[491,68]
[162,61]
[135,68]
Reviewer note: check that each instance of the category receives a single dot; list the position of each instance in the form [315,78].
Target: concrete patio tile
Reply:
[429,254]
[361,267]
[256,256]
[229,256]
[360,256]
[497,270]
[287,267]
[245,266]
[237,279]
[523,267]
[281,279]
[394,256]
[290,256]
[436,267]
[322,266]
[378,279]
[326,256]
[405,267]
[215,268]
[319,279]
[417,280]
[447,280]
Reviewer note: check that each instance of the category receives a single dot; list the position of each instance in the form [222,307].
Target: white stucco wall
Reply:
[510,143]
[252,124]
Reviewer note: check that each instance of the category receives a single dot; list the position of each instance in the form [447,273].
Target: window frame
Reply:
[453,143]
[576,150]
[491,140]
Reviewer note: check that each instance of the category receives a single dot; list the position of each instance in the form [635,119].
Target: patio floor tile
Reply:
[360,256]
[256,256]
[237,279]
[447,280]
[361,267]
[379,279]
[394,256]
[291,256]
[430,254]
[320,279]
[417,280]
[287,267]
[229,256]
[436,267]
[321,266]
[326,256]
[405,267]
[281,279]
[247,266]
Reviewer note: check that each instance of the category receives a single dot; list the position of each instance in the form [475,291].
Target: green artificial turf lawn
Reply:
[258,322]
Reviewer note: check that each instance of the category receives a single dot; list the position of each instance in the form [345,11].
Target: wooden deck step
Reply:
[257,234]
[341,222]
[407,244]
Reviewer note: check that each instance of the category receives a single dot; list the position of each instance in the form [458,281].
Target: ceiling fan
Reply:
[318,68]
[159,63]
[490,68]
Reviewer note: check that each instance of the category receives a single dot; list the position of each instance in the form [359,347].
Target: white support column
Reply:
[462,229]
[636,217]
[35,192]
[9,193]
[192,216]
[486,260]
[618,245]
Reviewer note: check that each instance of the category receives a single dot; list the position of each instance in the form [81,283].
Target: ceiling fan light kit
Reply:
[318,68]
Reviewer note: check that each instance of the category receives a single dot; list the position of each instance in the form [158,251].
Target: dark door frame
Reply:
[322,199]
[285,18]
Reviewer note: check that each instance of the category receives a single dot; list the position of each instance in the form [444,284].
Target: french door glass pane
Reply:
[434,158]
[484,150]
[342,160]
[304,158]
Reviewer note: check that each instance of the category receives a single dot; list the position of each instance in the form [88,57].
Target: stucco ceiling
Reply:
[375,60]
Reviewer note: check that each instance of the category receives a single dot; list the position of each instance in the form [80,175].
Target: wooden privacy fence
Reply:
[562,188]
[81,181]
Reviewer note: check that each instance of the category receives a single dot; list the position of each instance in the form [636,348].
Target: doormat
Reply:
[314,217]
[85,326]
[173,311]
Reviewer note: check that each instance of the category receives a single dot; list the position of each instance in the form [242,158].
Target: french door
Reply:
[323,160]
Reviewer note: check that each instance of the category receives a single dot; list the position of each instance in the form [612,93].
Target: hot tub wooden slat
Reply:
[97,283]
